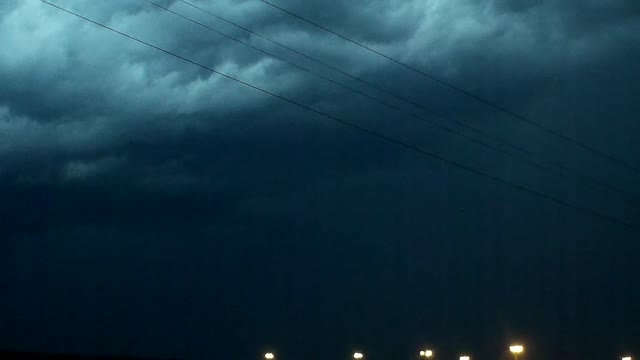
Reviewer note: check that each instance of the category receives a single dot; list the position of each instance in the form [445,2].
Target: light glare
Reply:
[516,348]
[358,355]
[269,356]
[464,358]
[426,353]
[626,358]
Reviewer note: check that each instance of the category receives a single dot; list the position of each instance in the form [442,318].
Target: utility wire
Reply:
[467,93]
[585,179]
[353,77]
[501,142]
[523,188]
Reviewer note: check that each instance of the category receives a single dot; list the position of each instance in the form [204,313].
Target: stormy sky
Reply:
[151,208]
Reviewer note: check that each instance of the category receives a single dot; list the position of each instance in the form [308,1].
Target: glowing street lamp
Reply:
[269,356]
[358,355]
[465,357]
[426,353]
[516,350]
[626,358]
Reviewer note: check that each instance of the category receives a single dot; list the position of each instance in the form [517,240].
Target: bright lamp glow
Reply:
[516,349]
[357,355]
[464,358]
[426,353]
[269,356]
[626,358]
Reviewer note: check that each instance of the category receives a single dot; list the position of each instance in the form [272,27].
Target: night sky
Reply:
[151,208]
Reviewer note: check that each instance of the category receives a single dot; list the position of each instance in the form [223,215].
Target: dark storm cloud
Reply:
[195,211]
[90,96]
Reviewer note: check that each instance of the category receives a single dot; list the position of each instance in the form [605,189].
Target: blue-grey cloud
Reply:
[152,197]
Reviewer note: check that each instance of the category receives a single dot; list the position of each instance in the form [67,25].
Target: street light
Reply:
[626,358]
[358,355]
[269,356]
[426,353]
[464,358]
[516,350]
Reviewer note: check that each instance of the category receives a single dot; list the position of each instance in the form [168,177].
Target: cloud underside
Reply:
[109,148]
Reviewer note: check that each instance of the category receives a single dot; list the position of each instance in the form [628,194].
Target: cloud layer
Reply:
[127,175]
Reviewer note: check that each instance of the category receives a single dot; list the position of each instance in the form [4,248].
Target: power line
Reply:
[585,179]
[353,77]
[344,86]
[501,142]
[609,218]
[467,93]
